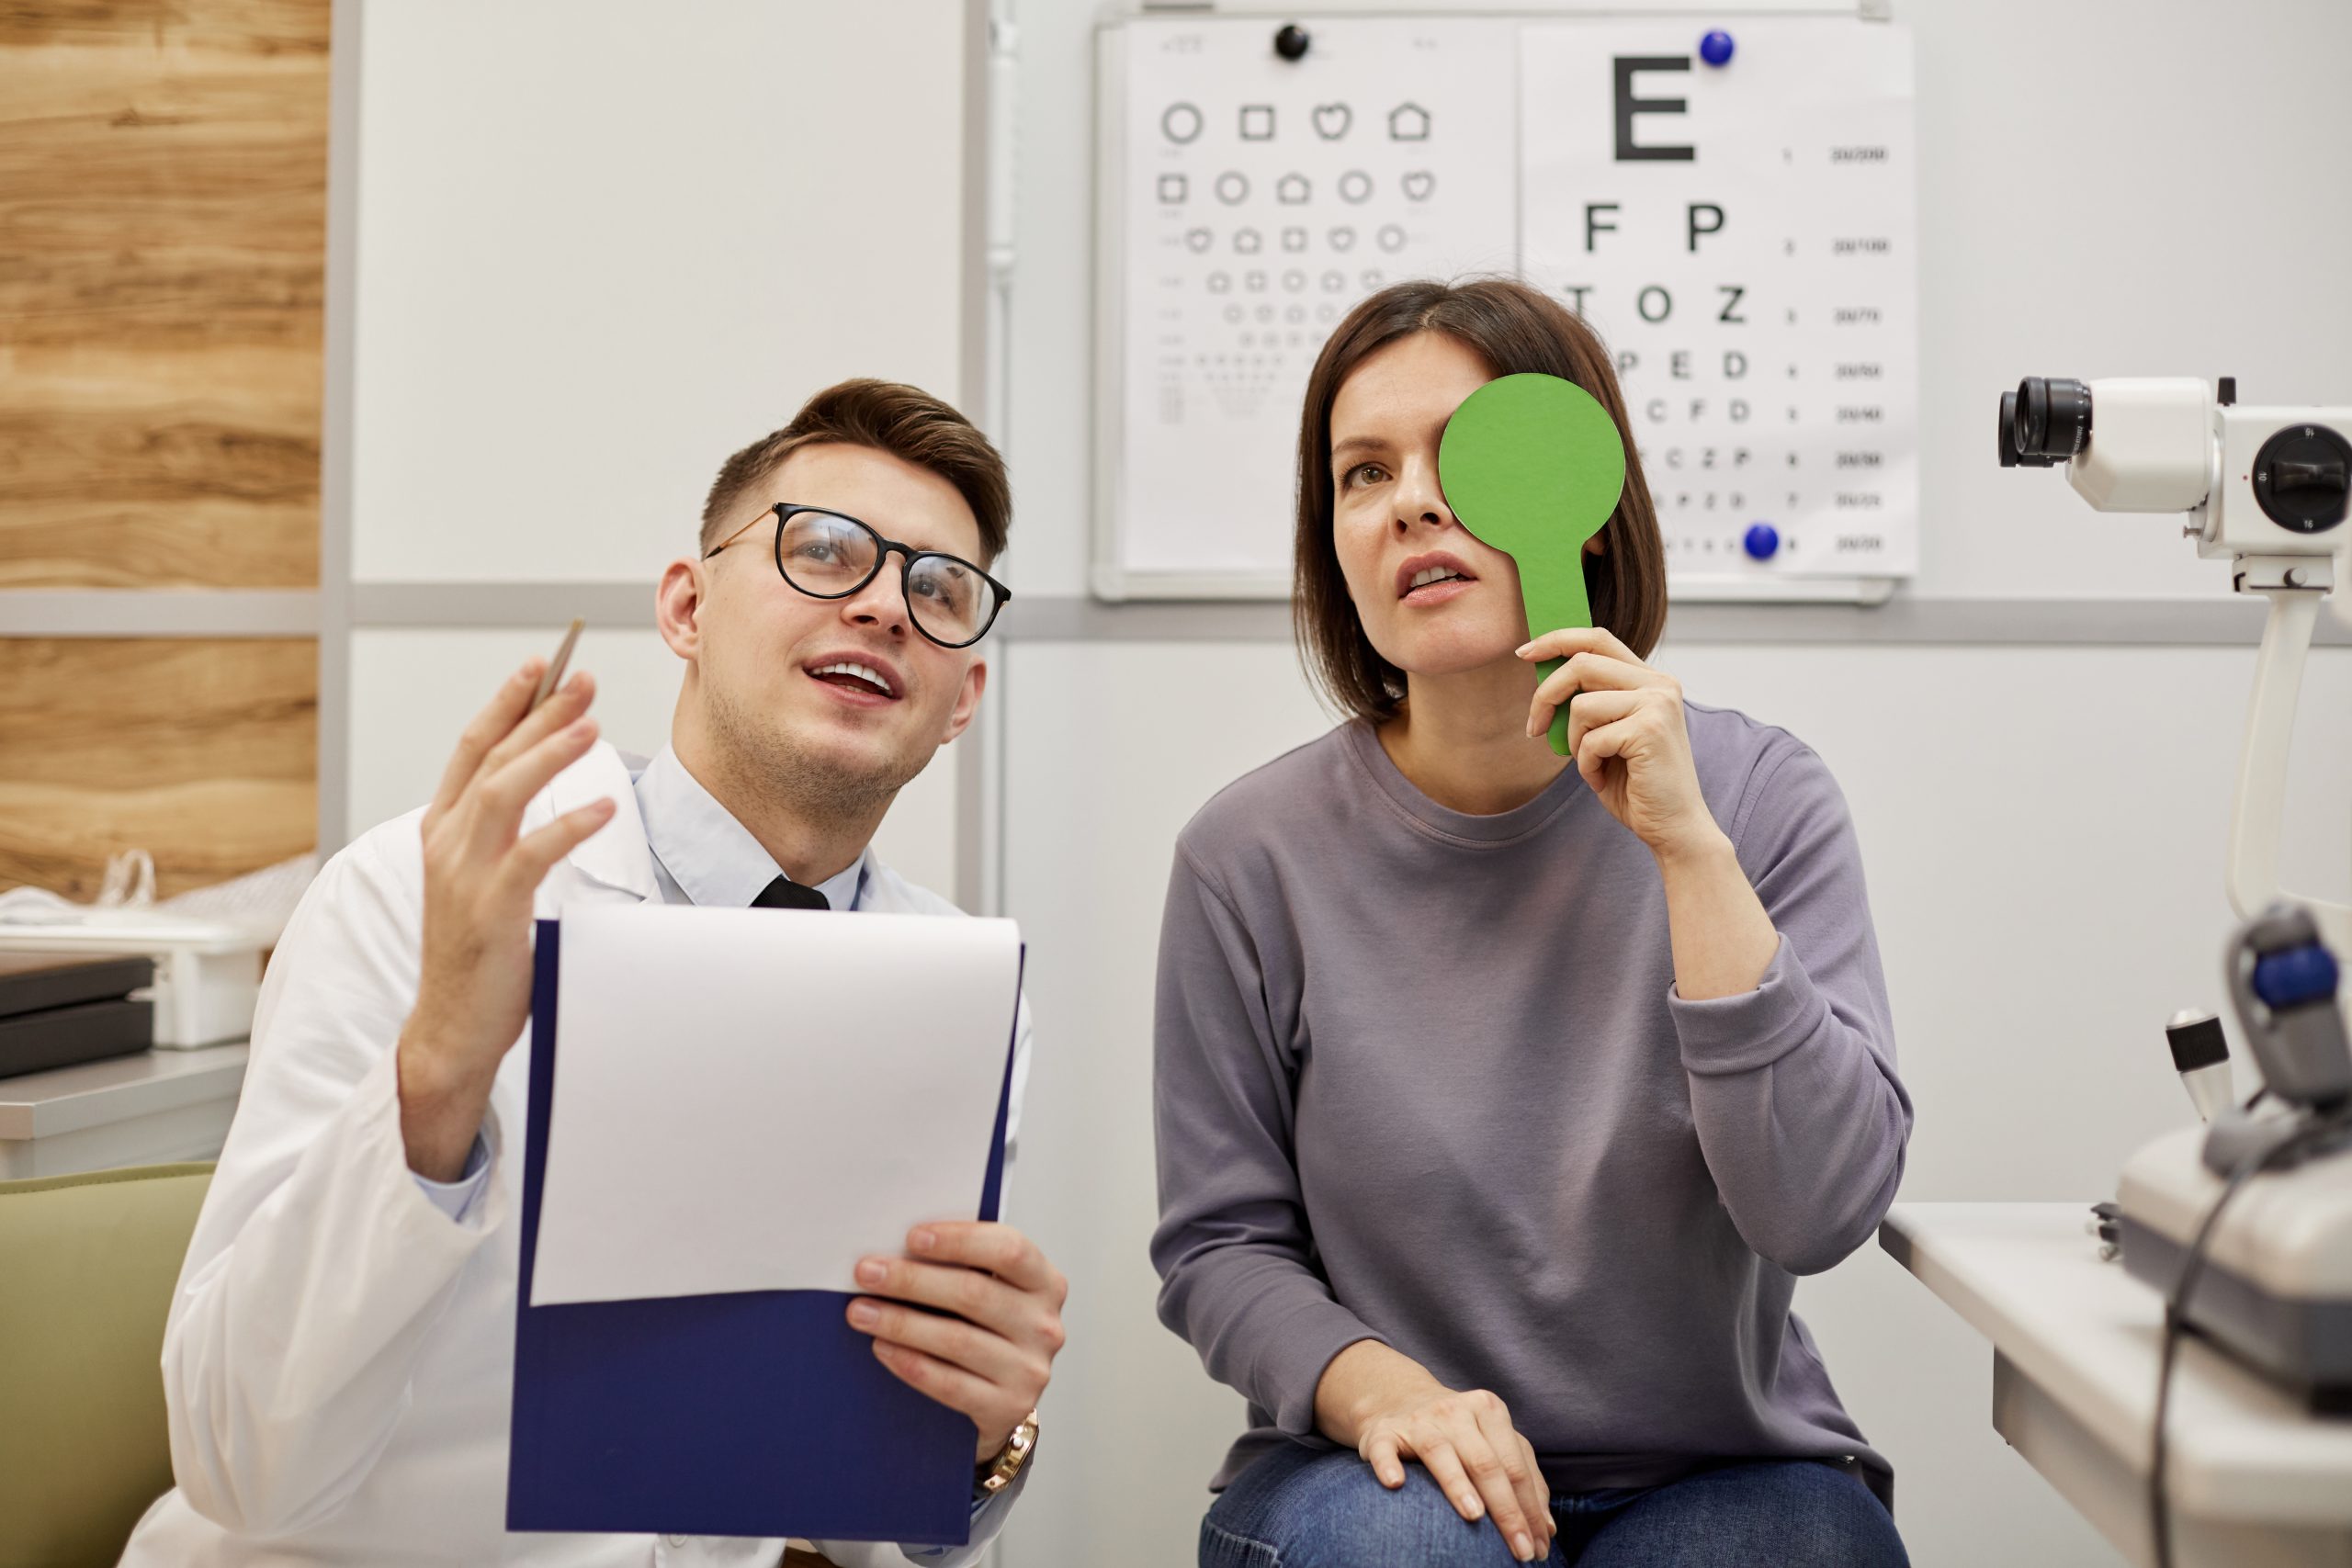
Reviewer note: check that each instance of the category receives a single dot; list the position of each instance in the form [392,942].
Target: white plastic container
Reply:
[207,973]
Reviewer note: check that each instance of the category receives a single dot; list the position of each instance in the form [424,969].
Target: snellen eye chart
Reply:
[1741,236]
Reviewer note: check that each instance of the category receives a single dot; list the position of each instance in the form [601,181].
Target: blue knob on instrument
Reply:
[1762,541]
[2294,976]
[1715,48]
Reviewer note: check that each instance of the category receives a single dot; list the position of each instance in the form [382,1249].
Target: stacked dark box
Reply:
[57,1009]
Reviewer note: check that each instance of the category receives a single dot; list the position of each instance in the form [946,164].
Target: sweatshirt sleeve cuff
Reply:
[1295,1355]
[1754,1029]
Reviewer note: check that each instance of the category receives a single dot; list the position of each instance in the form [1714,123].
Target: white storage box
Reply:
[207,973]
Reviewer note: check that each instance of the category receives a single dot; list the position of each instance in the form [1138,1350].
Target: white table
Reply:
[2256,1481]
[150,1108]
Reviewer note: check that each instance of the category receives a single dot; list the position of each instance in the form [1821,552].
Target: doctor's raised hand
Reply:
[474,990]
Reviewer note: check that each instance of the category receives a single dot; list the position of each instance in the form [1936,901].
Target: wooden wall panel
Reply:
[163,235]
[163,240]
[203,753]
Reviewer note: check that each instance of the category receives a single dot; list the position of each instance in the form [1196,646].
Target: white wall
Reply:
[600,247]
[2042,825]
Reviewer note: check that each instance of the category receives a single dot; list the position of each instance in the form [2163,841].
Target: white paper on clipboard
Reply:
[752,1100]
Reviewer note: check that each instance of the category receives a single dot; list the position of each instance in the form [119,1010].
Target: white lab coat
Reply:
[339,1359]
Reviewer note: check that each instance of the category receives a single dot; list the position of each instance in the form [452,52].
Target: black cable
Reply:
[2176,1304]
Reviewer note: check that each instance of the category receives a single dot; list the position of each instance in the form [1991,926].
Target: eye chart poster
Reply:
[1264,197]
[1740,235]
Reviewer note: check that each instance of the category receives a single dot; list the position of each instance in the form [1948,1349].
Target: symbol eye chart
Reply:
[1263,199]
[1741,236]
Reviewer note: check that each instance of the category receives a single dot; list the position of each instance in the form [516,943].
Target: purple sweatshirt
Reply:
[1422,1078]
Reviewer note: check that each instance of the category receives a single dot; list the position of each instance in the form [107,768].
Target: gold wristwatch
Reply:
[996,1475]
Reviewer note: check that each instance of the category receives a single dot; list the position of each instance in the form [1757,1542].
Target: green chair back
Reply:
[87,1266]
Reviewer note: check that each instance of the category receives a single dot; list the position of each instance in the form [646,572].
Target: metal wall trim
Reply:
[375,605]
[1900,620]
[302,612]
[2154,622]
[159,612]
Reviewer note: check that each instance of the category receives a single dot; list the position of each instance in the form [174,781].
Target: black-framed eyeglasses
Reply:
[827,555]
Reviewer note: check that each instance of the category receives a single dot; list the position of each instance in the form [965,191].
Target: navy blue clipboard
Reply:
[756,1414]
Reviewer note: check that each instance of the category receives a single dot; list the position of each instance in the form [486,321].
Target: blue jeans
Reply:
[1299,1509]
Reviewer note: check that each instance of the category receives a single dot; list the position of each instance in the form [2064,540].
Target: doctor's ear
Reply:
[678,605]
[967,699]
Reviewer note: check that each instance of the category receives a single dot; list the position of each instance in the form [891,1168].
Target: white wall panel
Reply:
[413,690]
[601,247]
[1115,746]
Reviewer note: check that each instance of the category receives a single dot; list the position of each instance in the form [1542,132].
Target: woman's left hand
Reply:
[1626,735]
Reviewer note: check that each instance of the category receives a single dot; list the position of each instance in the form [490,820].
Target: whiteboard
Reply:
[1742,235]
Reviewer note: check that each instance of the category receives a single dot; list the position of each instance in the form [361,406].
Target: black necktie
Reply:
[785,893]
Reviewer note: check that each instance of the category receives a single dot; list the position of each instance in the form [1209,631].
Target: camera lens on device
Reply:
[2052,420]
[2011,457]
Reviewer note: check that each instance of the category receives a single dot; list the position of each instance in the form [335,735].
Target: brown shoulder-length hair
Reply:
[1514,327]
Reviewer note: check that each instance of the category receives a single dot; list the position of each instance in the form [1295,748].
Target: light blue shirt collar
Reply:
[703,855]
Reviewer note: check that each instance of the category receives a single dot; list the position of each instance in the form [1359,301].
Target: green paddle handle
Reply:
[1559,720]
[1555,596]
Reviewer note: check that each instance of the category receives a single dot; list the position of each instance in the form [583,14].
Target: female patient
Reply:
[1502,1096]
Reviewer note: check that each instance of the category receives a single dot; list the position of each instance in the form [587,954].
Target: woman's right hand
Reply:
[474,985]
[1389,1409]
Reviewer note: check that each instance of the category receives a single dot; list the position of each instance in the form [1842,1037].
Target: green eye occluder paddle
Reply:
[1533,466]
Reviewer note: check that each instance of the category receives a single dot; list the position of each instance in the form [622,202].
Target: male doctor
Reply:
[339,1357]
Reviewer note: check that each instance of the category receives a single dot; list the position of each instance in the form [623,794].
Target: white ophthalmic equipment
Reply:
[2264,489]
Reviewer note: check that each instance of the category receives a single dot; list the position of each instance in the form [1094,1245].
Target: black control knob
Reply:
[1292,41]
[2302,477]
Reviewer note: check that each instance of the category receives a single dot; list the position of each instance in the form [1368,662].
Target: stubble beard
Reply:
[768,763]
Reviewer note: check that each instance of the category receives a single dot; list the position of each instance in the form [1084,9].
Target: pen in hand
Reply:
[554,674]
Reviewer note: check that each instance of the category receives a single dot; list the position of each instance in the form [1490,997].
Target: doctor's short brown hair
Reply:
[1514,327]
[889,416]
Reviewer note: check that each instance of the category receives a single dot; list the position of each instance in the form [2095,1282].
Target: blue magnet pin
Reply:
[1715,48]
[1762,541]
